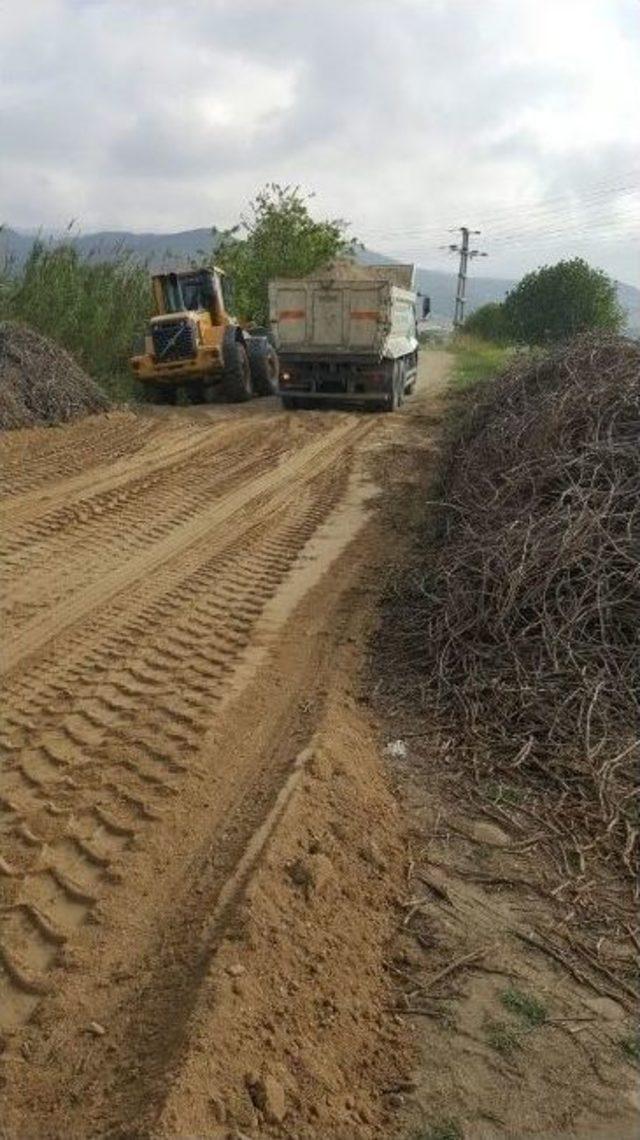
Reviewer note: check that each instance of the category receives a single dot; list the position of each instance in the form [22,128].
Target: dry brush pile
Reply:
[40,383]
[525,625]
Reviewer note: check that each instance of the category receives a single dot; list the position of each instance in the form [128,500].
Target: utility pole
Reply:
[465,256]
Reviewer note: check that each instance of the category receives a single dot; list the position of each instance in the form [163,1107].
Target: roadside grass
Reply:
[502,1037]
[630,1046]
[532,1011]
[443,1130]
[476,359]
[507,1039]
[93,308]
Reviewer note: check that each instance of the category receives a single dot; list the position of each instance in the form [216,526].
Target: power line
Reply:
[534,210]
[600,190]
[533,224]
[563,218]
[622,229]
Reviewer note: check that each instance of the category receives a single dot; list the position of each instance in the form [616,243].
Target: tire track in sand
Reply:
[318,454]
[36,457]
[44,559]
[84,777]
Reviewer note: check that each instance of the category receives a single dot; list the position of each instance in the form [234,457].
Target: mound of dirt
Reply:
[344,269]
[40,383]
[523,629]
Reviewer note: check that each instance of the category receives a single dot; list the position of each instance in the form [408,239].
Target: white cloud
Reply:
[406,116]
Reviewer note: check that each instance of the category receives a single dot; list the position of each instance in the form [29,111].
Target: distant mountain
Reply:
[157,250]
[14,246]
[180,249]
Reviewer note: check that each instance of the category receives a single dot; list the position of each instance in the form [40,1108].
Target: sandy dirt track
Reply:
[184,599]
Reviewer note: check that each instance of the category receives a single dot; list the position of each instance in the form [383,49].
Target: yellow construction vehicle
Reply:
[193,342]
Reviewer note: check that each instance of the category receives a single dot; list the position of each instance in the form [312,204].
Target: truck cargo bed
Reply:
[346,338]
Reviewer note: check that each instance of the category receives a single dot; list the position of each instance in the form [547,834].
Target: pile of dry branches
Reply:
[40,383]
[525,624]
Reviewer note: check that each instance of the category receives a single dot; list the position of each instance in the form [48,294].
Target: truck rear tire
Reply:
[412,367]
[236,379]
[265,367]
[395,387]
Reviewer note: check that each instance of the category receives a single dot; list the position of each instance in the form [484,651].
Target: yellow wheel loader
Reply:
[192,342]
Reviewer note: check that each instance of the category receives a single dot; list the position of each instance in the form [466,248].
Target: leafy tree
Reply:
[282,240]
[559,301]
[489,322]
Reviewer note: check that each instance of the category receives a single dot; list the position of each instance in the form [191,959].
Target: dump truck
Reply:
[347,335]
[193,342]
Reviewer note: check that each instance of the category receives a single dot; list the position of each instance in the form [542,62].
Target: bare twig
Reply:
[465,960]
[519,636]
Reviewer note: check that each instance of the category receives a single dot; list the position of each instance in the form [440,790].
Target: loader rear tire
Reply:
[236,379]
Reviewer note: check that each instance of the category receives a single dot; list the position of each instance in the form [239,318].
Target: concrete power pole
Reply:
[465,255]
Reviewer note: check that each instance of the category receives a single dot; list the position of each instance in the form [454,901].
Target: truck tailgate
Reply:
[340,317]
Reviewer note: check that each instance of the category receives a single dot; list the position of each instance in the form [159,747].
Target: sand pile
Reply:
[40,383]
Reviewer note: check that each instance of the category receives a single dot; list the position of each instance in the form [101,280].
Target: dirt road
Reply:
[185,595]
[225,913]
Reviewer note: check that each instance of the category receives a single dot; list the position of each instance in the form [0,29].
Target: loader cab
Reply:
[194,291]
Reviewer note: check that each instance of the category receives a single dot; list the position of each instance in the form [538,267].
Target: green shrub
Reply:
[489,323]
[560,301]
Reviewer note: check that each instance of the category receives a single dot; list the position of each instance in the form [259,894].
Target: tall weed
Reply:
[94,308]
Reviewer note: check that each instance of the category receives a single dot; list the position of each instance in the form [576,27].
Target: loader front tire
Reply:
[194,392]
[149,393]
[166,395]
[236,378]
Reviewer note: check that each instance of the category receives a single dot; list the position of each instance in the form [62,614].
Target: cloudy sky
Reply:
[407,117]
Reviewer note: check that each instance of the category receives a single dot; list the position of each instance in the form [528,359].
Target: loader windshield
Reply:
[187,291]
